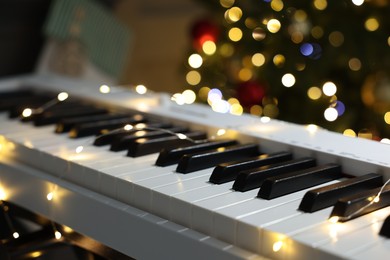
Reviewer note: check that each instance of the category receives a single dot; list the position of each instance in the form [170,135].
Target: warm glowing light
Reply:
[258,59]
[221,132]
[141,89]
[27,112]
[128,127]
[277,246]
[57,235]
[232,101]
[279,60]
[277,5]
[331,114]
[235,34]
[329,88]
[189,96]
[178,98]
[334,219]
[256,110]
[181,136]
[36,254]
[236,109]
[320,4]
[203,93]
[365,133]
[385,141]
[387,118]
[355,64]
[314,93]
[297,37]
[79,149]
[15,235]
[50,196]
[358,2]
[209,47]
[193,77]
[273,25]
[245,74]
[288,80]
[3,195]
[371,24]
[312,128]
[195,60]
[259,34]
[233,15]
[376,199]
[62,96]
[265,119]
[226,3]
[104,89]
[349,132]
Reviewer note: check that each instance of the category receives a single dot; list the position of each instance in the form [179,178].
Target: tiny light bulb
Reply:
[79,149]
[277,246]
[181,136]
[2,194]
[104,89]
[334,219]
[128,127]
[221,132]
[376,199]
[62,96]
[58,234]
[15,235]
[141,89]
[50,196]
[27,112]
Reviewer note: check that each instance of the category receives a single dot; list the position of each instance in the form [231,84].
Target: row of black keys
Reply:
[275,174]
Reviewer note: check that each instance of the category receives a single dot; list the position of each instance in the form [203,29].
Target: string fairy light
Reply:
[5,209]
[27,112]
[372,200]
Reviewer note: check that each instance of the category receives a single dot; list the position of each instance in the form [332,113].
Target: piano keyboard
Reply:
[263,189]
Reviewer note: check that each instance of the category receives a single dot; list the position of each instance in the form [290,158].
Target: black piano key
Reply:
[287,183]
[327,196]
[124,142]
[52,117]
[15,107]
[252,179]
[66,124]
[203,160]
[228,171]
[356,205]
[385,229]
[108,138]
[172,156]
[55,111]
[94,128]
[146,146]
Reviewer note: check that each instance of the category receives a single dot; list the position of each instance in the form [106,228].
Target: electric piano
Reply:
[189,183]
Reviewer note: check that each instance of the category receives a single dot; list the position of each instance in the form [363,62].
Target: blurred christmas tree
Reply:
[309,61]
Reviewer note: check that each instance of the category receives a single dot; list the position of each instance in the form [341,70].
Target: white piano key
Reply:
[142,191]
[252,230]
[306,241]
[354,242]
[378,251]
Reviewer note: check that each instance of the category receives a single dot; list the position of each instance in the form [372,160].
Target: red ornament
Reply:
[202,31]
[250,93]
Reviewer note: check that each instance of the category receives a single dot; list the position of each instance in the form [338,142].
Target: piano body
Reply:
[152,212]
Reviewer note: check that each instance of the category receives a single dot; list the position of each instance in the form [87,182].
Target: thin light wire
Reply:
[374,200]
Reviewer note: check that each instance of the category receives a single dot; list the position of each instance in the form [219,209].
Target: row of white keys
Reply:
[309,231]
[357,243]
